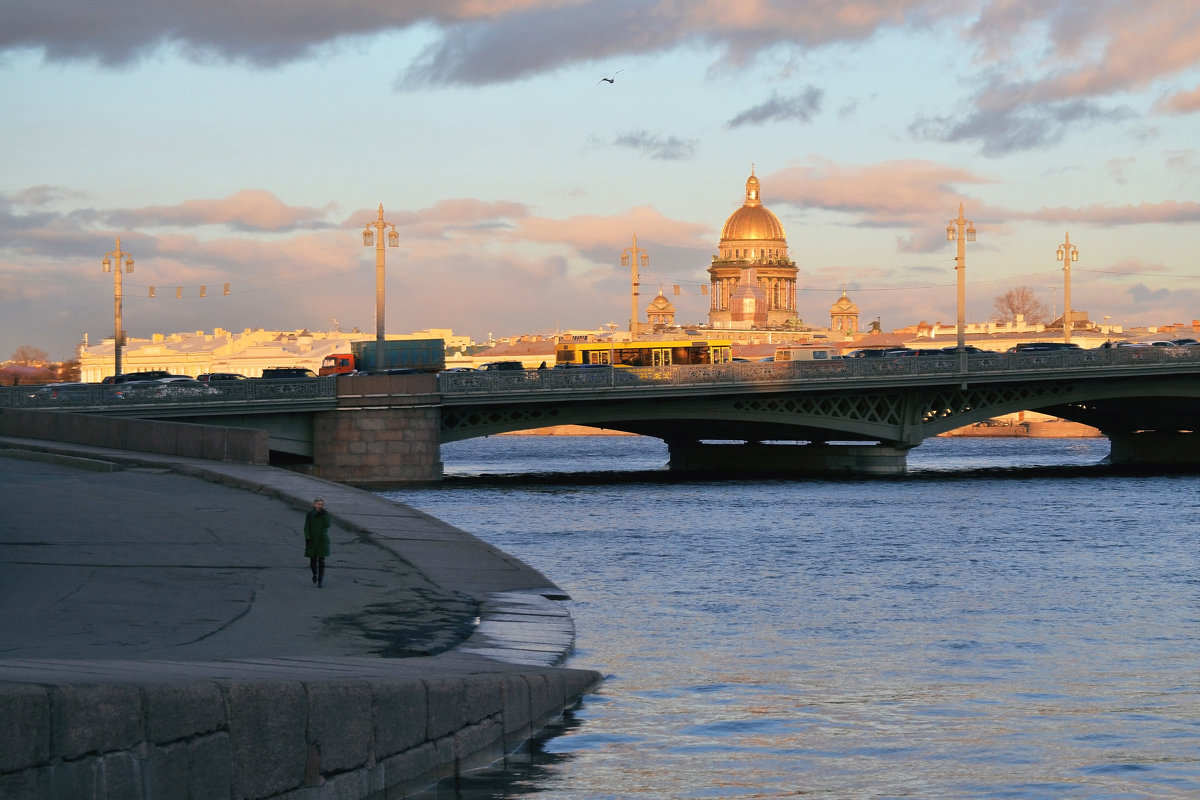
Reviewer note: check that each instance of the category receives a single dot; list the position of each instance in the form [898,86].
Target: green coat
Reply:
[316,534]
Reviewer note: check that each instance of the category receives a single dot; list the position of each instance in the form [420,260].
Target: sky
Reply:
[248,144]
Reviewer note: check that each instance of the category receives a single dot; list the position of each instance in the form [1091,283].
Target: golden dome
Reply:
[753,221]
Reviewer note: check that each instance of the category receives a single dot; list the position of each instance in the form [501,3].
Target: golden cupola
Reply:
[753,232]
[753,248]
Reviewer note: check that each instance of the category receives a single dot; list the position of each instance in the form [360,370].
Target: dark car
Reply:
[880,352]
[147,375]
[276,373]
[209,377]
[501,365]
[1044,347]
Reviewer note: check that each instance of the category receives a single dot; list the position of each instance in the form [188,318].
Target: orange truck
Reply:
[426,355]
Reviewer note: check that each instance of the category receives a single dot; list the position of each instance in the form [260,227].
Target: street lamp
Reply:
[1067,253]
[630,258]
[393,240]
[112,263]
[955,232]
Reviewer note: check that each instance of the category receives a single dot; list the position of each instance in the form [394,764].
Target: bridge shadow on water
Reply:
[917,475]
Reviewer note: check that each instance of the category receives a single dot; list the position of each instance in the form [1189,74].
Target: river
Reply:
[1011,619]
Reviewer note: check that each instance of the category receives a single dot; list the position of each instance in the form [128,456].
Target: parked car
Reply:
[275,373]
[1044,347]
[209,377]
[879,352]
[145,375]
[56,392]
[501,365]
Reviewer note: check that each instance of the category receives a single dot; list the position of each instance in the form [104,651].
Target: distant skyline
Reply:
[249,144]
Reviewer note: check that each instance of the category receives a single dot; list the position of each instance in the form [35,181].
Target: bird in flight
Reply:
[609,80]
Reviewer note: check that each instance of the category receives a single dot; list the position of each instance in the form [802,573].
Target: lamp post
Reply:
[112,263]
[630,258]
[1067,253]
[961,230]
[393,240]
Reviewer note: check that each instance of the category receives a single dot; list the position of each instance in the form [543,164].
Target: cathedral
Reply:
[752,280]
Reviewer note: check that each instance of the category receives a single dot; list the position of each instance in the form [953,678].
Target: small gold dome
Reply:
[844,305]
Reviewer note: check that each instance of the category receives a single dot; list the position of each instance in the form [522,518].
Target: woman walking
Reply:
[316,540]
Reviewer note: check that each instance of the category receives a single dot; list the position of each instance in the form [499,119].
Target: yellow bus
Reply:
[643,354]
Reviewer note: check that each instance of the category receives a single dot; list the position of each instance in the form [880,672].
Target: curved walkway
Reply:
[126,568]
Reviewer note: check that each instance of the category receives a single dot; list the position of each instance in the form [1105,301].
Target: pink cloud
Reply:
[1096,49]
[248,209]
[892,193]
[1166,212]
[587,232]
[1181,102]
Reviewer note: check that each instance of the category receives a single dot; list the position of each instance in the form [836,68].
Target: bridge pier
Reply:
[816,459]
[1154,448]
[378,448]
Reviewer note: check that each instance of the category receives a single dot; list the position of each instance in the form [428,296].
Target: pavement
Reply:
[117,565]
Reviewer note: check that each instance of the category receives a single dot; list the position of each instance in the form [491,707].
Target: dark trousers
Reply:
[318,567]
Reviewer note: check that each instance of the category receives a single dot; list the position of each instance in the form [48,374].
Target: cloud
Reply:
[477,41]
[894,194]
[1014,126]
[659,148]
[1180,102]
[1096,48]
[803,107]
[1167,212]
[1116,167]
[246,210]
[587,232]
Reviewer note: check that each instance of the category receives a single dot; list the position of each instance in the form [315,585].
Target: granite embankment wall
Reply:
[241,445]
[352,738]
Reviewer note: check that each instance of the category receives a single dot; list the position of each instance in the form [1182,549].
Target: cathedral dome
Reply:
[753,222]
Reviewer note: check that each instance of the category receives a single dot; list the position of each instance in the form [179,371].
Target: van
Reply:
[809,353]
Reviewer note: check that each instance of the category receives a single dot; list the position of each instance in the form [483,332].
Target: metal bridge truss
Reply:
[896,415]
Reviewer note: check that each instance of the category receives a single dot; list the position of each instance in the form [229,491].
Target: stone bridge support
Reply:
[1154,448]
[378,448]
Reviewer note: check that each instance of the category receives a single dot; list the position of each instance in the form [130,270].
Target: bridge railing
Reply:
[845,370]
[138,393]
[259,391]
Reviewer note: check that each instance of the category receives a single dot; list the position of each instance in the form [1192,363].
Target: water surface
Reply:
[1010,619]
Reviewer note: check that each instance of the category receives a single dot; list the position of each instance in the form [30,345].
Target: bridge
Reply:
[853,416]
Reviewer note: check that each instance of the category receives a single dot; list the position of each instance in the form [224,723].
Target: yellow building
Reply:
[753,254]
[246,353]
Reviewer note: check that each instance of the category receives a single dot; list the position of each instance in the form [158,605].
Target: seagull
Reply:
[609,80]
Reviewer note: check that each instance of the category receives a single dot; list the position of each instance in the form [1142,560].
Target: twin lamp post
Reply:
[113,263]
